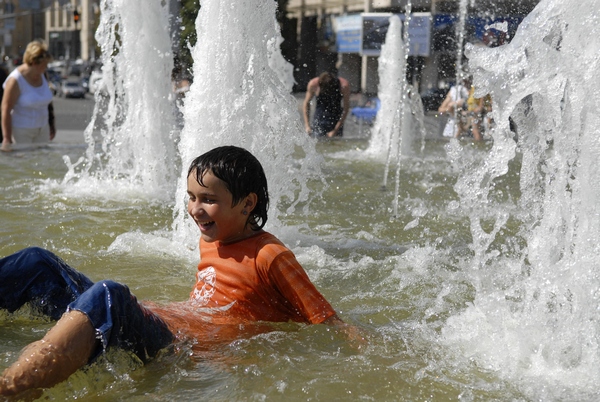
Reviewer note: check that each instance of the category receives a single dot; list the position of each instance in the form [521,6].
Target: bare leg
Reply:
[476,127]
[459,127]
[62,351]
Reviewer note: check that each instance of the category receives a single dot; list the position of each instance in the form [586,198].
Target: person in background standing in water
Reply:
[3,76]
[333,102]
[26,115]
[453,106]
[474,115]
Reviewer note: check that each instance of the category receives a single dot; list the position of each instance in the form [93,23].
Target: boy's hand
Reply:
[356,337]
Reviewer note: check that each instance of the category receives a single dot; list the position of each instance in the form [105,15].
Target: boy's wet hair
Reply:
[242,174]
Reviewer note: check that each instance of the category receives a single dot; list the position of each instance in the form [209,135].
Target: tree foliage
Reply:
[187,36]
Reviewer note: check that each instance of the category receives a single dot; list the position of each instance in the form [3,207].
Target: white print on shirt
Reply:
[213,310]
[207,278]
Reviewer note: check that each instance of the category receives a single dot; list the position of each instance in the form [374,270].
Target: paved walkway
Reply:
[70,137]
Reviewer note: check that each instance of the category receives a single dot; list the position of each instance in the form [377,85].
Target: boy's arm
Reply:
[334,320]
[446,105]
[302,293]
[345,88]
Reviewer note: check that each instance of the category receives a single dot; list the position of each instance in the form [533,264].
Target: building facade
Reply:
[310,30]
[70,27]
[67,26]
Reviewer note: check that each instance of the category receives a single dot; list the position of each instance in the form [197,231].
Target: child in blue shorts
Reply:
[228,208]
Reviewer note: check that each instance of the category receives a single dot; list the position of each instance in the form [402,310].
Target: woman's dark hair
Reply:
[328,84]
[241,172]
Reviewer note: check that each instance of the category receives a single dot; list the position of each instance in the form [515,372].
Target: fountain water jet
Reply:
[138,137]
[241,95]
[401,114]
[535,314]
[392,71]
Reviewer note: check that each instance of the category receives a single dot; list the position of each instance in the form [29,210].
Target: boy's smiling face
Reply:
[210,207]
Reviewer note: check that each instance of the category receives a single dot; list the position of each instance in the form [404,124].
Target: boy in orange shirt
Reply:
[245,274]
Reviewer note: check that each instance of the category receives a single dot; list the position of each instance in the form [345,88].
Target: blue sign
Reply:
[348,33]
[375,27]
[365,33]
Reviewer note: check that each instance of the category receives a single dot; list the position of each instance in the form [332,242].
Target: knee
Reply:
[38,250]
[108,290]
[35,251]
[35,254]
[99,300]
[112,286]
[31,258]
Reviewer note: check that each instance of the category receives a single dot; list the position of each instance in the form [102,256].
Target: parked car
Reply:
[85,83]
[54,81]
[72,89]
[58,67]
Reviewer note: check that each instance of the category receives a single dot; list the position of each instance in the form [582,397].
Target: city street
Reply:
[73,114]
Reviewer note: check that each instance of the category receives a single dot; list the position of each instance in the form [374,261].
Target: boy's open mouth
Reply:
[206,225]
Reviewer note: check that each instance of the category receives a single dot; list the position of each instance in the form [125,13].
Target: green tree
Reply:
[187,36]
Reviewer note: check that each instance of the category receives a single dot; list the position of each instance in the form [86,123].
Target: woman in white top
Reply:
[452,106]
[25,116]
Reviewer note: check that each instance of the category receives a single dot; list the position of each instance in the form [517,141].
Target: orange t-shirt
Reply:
[256,279]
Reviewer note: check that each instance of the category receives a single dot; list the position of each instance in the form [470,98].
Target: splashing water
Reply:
[137,146]
[488,292]
[404,133]
[460,37]
[535,317]
[241,95]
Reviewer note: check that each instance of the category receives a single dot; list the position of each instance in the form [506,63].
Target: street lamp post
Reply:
[365,59]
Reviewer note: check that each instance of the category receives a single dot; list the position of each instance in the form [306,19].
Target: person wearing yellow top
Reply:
[486,112]
[474,114]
